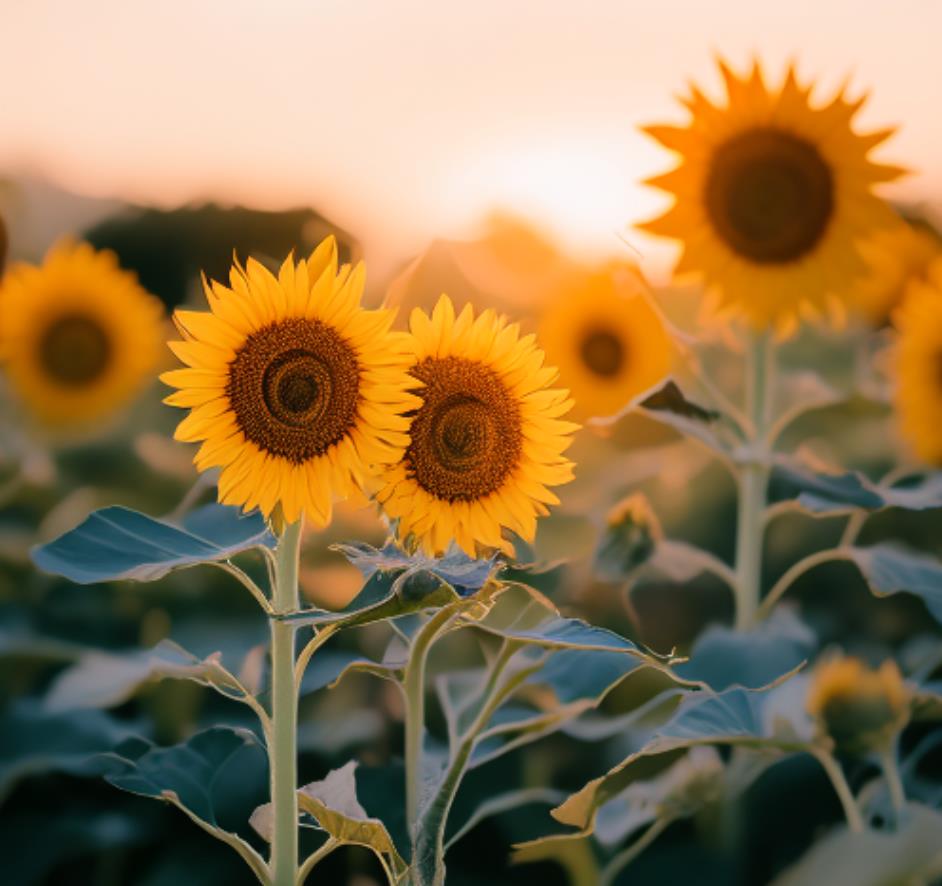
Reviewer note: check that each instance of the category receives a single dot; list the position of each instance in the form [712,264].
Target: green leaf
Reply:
[827,495]
[455,568]
[667,405]
[772,720]
[382,597]
[891,568]
[333,804]
[910,854]
[522,614]
[497,805]
[207,777]
[723,657]
[107,679]
[116,543]
[33,741]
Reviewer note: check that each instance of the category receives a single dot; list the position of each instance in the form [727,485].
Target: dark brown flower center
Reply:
[602,352]
[74,350]
[466,437]
[769,195]
[294,387]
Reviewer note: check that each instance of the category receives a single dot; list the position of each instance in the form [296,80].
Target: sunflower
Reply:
[858,707]
[918,364]
[607,339]
[772,195]
[295,390]
[78,335]
[895,257]
[488,439]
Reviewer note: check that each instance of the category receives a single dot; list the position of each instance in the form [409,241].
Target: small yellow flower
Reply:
[895,257]
[607,339]
[772,195]
[860,708]
[918,364]
[78,336]
[294,389]
[488,440]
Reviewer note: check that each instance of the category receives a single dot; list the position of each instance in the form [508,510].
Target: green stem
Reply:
[842,789]
[282,751]
[628,855]
[893,781]
[428,863]
[796,571]
[414,688]
[753,480]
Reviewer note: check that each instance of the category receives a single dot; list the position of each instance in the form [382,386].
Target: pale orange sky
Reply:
[407,120]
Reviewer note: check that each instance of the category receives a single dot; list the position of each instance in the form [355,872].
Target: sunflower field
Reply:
[513,565]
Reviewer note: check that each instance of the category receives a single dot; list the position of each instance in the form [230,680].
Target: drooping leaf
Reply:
[667,405]
[333,804]
[116,543]
[216,777]
[106,679]
[909,854]
[753,659]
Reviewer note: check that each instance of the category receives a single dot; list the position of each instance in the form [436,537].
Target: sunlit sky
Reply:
[403,121]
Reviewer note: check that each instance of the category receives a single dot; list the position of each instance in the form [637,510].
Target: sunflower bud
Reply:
[631,533]
[860,708]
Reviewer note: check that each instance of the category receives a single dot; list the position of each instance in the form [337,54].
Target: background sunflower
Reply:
[918,363]
[896,256]
[488,440]
[607,339]
[772,196]
[78,336]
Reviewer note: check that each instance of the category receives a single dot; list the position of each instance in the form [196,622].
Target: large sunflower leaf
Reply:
[216,777]
[723,657]
[105,679]
[117,543]
[521,614]
[736,716]
[912,853]
[827,495]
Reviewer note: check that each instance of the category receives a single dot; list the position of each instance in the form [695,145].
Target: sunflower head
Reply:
[896,257]
[295,390]
[772,195]
[606,337]
[858,707]
[78,336]
[917,360]
[487,441]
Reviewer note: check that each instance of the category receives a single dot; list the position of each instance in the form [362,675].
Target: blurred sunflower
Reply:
[4,245]
[295,390]
[858,707]
[78,336]
[607,339]
[918,364]
[895,257]
[487,441]
[772,195]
